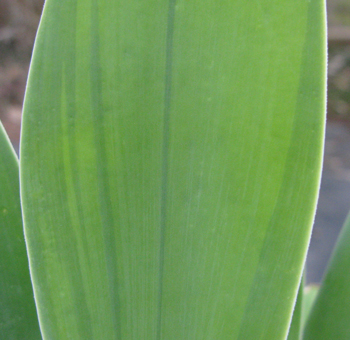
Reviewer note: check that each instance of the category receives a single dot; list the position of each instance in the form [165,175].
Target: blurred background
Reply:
[18,24]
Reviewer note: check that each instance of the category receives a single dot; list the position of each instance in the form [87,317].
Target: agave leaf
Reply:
[170,165]
[18,319]
[330,315]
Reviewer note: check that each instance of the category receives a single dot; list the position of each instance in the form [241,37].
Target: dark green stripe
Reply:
[165,152]
[106,209]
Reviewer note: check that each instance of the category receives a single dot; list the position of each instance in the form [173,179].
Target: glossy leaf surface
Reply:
[18,319]
[330,316]
[171,156]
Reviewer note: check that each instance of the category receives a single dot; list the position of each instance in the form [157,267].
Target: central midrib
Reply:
[165,151]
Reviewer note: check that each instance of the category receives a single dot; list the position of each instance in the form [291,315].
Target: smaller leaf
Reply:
[309,297]
[330,316]
[295,327]
[18,319]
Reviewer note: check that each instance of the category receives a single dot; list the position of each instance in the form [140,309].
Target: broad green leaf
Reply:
[170,165]
[329,318]
[295,326]
[18,319]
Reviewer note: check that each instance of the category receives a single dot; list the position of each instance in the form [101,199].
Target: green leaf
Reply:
[309,297]
[295,327]
[330,315]
[18,318]
[170,165]
[305,299]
